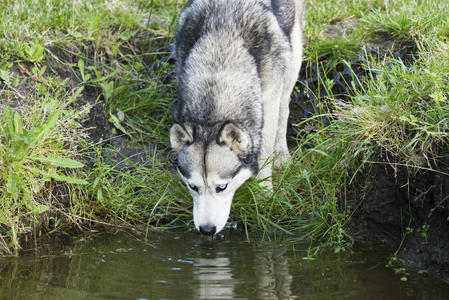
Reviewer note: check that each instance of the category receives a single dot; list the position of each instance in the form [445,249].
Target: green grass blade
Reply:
[61,162]
[59,177]
[45,129]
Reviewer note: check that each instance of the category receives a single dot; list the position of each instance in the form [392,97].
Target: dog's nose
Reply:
[208,229]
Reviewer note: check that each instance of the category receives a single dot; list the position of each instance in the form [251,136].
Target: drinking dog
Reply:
[237,62]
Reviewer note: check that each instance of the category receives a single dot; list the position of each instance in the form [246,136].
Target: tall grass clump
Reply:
[400,115]
[40,145]
[408,20]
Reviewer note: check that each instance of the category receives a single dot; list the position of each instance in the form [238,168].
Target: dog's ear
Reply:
[235,138]
[179,136]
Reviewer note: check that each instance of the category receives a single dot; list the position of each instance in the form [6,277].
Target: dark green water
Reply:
[184,265]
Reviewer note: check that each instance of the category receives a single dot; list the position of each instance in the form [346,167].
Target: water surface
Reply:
[185,265]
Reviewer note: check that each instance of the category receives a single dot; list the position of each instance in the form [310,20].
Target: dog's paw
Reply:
[281,158]
[264,177]
[267,184]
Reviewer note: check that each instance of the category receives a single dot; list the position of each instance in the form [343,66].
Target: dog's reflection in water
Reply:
[214,277]
[218,278]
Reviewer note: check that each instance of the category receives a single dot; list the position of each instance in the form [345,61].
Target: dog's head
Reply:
[213,169]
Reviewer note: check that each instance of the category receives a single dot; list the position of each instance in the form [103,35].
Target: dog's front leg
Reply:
[271,105]
[291,76]
[281,152]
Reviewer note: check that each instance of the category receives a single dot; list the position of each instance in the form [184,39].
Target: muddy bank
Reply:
[405,211]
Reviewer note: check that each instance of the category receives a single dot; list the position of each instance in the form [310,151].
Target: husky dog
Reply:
[237,62]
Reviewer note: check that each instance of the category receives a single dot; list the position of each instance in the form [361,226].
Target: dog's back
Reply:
[224,49]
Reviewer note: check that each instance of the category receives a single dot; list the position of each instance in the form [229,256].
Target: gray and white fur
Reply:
[237,62]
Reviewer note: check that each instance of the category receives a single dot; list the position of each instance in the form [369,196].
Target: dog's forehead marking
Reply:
[220,163]
[208,164]
[191,161]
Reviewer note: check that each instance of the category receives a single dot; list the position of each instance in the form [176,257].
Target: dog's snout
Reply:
[208,229]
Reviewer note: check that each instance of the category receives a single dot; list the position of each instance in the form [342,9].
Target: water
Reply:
[185,265]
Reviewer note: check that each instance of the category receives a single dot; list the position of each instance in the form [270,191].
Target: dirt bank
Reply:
[406,211]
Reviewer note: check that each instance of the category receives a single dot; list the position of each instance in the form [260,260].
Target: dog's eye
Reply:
[221,187]
[193,187]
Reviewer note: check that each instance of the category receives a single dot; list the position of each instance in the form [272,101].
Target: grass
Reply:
[403,113]
[59,64]
[36,145]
